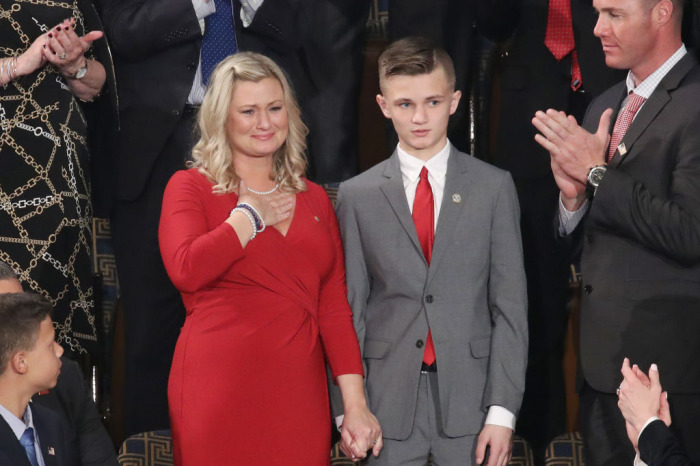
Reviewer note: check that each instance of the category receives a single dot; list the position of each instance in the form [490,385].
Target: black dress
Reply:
[45,207]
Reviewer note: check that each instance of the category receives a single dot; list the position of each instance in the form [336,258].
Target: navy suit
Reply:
[53,432]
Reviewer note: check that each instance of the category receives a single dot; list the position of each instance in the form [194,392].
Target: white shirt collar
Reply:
[411,166]
[647,87]
[17,425]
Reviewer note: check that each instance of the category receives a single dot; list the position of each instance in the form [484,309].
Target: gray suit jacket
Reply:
[472,295]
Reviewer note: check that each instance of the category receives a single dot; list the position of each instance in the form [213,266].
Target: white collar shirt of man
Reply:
[18,427]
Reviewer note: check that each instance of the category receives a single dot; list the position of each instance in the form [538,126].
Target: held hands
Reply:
[273,208]
[641,398]
[360,432]
[60,41]
[499,439]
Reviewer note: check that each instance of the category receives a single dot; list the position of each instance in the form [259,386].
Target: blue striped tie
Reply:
[219,40]
[27,441]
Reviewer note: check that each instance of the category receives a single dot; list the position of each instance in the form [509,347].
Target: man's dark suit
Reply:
[156,47]
[641,259]
[71,399]
[56,447]
[659,447]
[532,79]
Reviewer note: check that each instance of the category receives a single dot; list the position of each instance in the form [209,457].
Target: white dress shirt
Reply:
[18,427]
[568,220]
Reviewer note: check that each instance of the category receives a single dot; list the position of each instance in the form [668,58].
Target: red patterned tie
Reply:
[559,37]
[424,219]
[623,122]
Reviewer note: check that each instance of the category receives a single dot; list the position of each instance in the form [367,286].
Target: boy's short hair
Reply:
[6,272]
[414,56]
[21,315]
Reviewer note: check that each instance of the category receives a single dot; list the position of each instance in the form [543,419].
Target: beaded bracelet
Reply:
[258,218]
[250,217]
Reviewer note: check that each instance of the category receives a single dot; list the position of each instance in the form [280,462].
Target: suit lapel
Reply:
[47,436]
[657,101]
[10,446]
[453,200]
[393,190]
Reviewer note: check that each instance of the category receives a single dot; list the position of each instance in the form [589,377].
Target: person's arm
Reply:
[360,429]
[658,446]
[508,308]
[138,29]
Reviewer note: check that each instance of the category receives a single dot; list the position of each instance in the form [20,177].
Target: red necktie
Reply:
[559,37]
[424,219]
[624,120]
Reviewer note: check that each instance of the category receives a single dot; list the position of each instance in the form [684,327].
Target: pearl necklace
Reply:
[264,193]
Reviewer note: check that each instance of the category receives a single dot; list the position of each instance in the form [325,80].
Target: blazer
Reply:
[70,398]
[56,447]
[640,241]
[532,79]
[472,294]
[659,447]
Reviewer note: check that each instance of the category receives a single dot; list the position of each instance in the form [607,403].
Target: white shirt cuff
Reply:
[569,219]
[638,461]
[203,9]
[500,416]
[339,421]
[248,10]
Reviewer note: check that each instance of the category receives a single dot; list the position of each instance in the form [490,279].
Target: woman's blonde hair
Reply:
[212,155]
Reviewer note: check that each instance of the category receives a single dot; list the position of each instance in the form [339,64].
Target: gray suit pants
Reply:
[427,437]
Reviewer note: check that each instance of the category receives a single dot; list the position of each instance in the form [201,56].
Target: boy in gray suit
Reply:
[435,278]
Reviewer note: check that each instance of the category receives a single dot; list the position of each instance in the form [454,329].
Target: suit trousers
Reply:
[605,441]
[427,438]
[152,307]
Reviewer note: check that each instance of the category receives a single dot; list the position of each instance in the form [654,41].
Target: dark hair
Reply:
[414,56]
[21,315]
[6,272]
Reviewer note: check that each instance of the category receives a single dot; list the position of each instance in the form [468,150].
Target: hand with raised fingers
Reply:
[273,208]
[66,50]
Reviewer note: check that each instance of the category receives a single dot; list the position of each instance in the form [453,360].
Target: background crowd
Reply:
[99,106]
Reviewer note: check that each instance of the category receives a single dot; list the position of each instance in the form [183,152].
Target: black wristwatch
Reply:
[595,176]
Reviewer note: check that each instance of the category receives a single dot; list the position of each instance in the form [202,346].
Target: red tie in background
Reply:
[559,37]
[424,219]
[624,120]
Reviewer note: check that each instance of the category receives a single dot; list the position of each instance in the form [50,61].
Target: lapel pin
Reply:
[622,149]
[317,219]
[52,452]
[456,198]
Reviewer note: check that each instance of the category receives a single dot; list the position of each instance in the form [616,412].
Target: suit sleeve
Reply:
[193,254]
[281,24]
[507,304]
[357,278]
[659,447]
[335,317]
[668,225]
[139,29]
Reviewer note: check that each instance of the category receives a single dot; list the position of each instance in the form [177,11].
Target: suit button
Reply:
[175,112]
[419,344]
[429,299]
[588,289]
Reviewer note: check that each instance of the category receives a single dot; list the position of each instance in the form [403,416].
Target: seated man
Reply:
[71,399]
[646,411]
[30,361]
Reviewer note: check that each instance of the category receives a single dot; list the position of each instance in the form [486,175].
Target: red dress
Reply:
[248,382]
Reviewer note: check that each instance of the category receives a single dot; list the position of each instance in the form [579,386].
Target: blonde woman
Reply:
[254,249]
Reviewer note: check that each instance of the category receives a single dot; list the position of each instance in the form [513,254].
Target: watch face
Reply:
[81,72]
[597,175]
